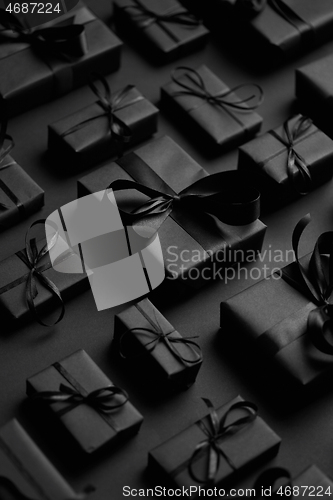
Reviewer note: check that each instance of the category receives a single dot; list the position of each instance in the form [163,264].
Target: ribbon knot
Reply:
[215,432]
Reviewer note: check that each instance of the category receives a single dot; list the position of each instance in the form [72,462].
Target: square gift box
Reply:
[142,335]
[33,74]
[195,246]
[91,408]
[287,162]
[25,470]
[218,113]
[86,137]
[165,28]
[183,459]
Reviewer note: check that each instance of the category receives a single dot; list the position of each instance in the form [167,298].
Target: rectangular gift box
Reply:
[20,196]
[221,125]
[93,142]
[272,317]
[316,481]
[14,274]
[192,249]
[265,161]
[132,337]
[166,39]
[25,470]
[29,78]
[91,428]
[254,443]
[314,90]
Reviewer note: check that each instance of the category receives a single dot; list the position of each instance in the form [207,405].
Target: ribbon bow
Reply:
[298,172]
[146,16]
[110,104]
[216,432]
[220,99]
[317,283]
[104,400]
[160,336]
[67,40]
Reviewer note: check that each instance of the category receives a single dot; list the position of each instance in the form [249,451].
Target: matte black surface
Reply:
[303,422]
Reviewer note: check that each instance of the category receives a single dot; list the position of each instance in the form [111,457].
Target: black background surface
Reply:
[304,423]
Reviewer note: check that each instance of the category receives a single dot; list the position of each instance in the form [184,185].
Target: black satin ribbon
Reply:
[298,172]
[268,479]
[110,104]
[216,433]
[104,400]
[67,41]
[198,88]
[159,335]
[31,258]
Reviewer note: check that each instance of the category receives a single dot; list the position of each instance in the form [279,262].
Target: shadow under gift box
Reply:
[90,428]
[272,316]
[314,90]
[165,40]
[189,242]
[20,196]
[93,142]
[29,79]
[253,444]
[222,126]
[25,470]
[136,323]
[264,160]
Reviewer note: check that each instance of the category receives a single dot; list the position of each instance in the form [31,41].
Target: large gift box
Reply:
[165,28]
[102,129]
[195,245]
[314,90]
[218,113]
[284,317]
[29,286]
[20,196]
[215,449]
[287,162]
[37,67]
[142,335]
[25,470]
[91,408]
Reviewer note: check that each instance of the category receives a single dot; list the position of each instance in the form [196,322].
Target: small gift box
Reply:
[314,90]
[25,470]
[37,66]
[29,285]
[287,162]
[219,114]
[102,129]
[92,409]
[285,316]
[178,195]
[164,26]
[142,333]
[216,448]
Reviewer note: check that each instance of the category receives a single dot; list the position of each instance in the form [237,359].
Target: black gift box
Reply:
[20,196]
[92,142]
[272,315]
[220,124]
[193,250]
[314,90]
[265,161]
[164,38]
[134,338]
[316,481]
[91,428]
[253,443]
[29,77]
[14,275]
[26,471]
